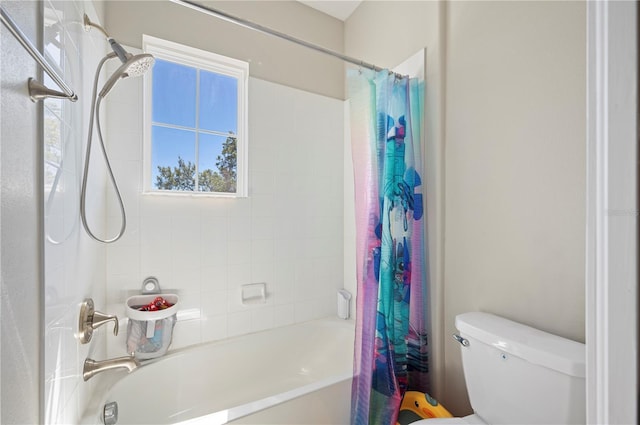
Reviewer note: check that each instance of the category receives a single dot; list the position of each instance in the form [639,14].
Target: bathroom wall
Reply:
[287,233]
[20,225]
[74,265]
[271,59]
[516,177]
[49,264]
[513,153]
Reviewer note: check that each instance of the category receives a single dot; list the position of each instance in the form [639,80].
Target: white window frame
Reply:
[208,61]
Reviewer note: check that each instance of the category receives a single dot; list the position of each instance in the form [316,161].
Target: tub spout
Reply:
[93,367]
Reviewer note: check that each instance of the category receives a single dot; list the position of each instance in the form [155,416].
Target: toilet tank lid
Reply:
[533,345]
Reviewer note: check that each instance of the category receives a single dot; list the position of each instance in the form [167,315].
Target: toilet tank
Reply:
[516,374]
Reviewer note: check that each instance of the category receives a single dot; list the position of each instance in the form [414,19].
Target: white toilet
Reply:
[516,374]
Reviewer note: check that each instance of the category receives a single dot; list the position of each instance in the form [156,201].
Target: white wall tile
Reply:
[263,272]
[186,281]
[155,230]
[262,251]
[283,292]
[263,227]
[283,315]
[214,327]
[185,244]
[304,311]
[186,333]
[239,207]
[214,207]
[131,235]
[239,323]
[239,228]
[287,233]
[126,115]
[123,260]
[155,260]
[234,301]
[214,279]
[328,306]
[262,319]
[239,274]
[264,205]
[261,155]
[261,183]
[120,285]
[214,303]
[213,252]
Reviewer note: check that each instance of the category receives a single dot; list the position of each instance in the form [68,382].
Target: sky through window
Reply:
[193,113]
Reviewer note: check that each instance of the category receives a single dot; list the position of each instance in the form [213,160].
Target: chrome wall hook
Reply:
[38,91]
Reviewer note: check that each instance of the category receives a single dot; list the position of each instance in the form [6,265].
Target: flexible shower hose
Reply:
[95,112]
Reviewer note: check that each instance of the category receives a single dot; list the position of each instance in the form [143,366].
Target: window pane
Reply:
[217,163]
[173,160]
[174,94]
[218,102]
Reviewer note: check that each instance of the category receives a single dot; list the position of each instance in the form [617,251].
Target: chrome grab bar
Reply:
[37,91]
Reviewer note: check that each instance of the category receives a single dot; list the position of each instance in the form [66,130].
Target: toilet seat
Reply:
[466,420]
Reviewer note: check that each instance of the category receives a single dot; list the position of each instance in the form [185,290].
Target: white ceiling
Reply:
[340,9]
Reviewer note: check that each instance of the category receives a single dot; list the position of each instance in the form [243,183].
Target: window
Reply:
[195,122]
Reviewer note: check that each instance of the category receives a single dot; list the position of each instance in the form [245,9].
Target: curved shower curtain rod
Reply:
[265,30]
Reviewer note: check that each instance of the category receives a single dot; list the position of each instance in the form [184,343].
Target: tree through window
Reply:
[183,175]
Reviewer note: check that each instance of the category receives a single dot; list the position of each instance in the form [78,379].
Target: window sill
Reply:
[185,194]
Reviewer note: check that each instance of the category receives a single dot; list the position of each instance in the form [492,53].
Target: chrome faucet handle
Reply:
[100,319]
[90,319]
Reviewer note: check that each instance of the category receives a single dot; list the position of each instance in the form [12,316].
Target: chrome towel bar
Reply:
[37,91]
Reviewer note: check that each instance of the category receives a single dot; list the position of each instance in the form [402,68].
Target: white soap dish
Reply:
[254,293]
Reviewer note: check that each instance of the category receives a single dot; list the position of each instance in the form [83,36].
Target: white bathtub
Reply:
[299,374]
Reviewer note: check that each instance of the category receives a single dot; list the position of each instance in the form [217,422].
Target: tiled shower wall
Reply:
[288,233]
[74,264]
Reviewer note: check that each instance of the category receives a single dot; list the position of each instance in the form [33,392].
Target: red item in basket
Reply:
[159,303]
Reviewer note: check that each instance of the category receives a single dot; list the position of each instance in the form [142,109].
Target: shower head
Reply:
[133,66]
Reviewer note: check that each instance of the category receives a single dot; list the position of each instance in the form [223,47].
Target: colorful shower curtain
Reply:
[391,351]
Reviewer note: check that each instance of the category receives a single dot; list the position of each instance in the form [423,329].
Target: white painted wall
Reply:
[513,157]
[515,172]
[287,233]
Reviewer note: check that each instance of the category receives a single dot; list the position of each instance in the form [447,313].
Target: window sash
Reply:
[201,60]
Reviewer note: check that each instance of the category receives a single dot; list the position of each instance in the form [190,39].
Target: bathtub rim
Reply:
[222,417]
[92,414]
[232,339]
